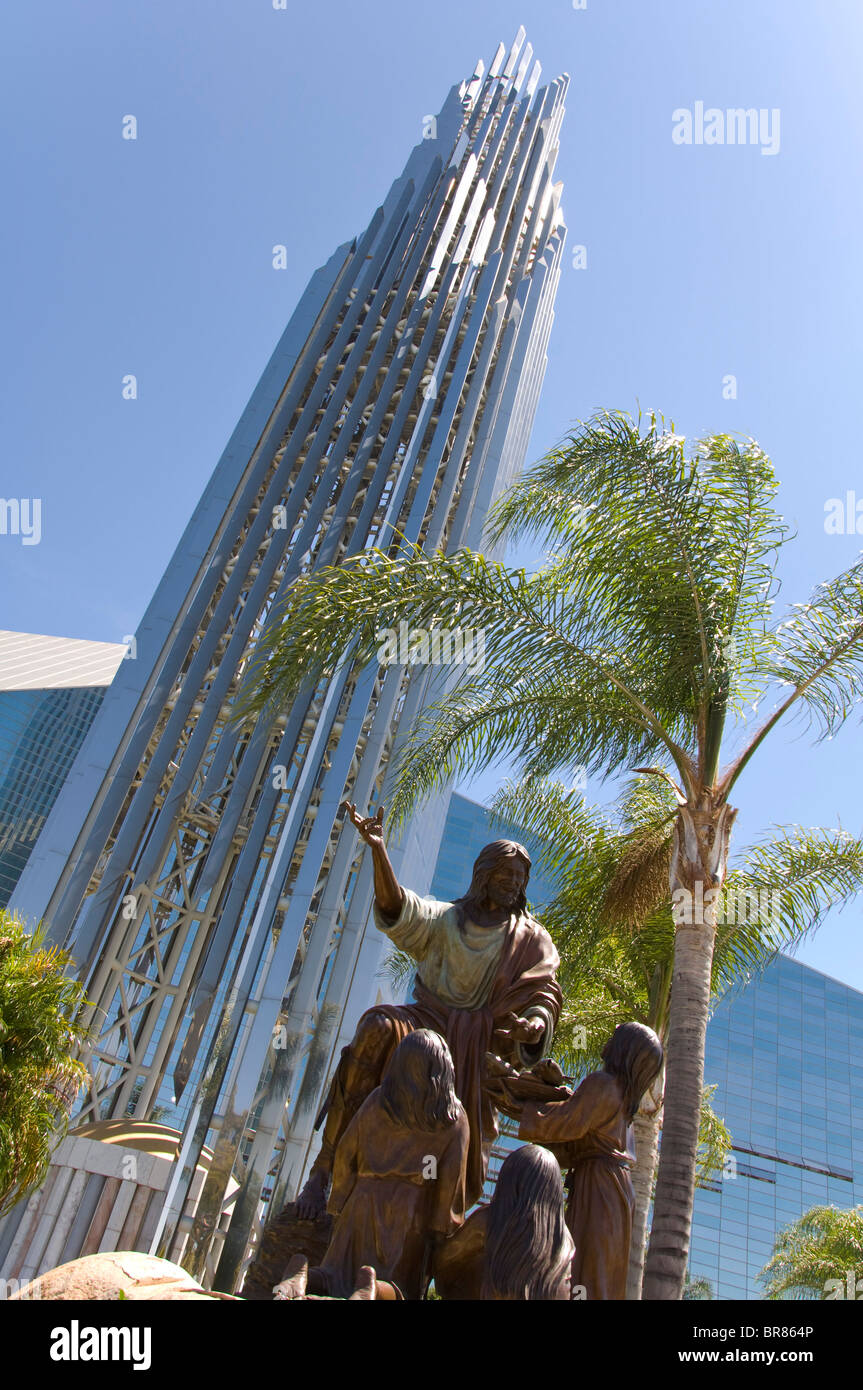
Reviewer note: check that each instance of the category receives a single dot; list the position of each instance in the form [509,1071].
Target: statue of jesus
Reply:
[485,982]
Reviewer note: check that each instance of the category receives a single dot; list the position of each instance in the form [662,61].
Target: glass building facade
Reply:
[469,829]
[785,1053]
[50,691]
[40,733]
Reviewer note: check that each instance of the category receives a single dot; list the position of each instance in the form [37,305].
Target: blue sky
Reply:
[259,126]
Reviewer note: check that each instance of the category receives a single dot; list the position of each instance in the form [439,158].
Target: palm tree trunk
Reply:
[698,867]
[646,1128]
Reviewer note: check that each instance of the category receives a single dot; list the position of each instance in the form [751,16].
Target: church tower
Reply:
[201,872]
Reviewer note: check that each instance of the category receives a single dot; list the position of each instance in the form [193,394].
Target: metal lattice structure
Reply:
[216,908]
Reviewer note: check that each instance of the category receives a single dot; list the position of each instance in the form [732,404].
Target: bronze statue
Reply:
[588,1132]
[286,1243]
[398,1180]
[518,1247]
[486,979]
[295,1286]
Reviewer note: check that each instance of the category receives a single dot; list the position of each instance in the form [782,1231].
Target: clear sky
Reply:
[259,126]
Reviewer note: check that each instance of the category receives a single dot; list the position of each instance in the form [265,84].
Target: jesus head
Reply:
[500,876]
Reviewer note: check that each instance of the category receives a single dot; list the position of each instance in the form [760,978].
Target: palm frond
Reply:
[675,554]
[543,718]
[817,654]
[780,893]
[815,1252]
[714,1141]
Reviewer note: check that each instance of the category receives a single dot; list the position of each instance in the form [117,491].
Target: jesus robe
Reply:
[469,979]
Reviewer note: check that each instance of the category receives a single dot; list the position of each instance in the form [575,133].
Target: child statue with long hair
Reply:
[588,1132]
[398,1176]
[517,1248]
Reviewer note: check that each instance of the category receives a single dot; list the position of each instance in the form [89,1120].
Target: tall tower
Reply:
[200,872]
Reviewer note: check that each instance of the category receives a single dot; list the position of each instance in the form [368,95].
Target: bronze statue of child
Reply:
[517,1248]
[588,1132]
[398,1178]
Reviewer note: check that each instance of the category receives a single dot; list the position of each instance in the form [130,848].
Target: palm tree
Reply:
[698,1289]
[39,1077]
[613,924]
[646,637]
[820,1255]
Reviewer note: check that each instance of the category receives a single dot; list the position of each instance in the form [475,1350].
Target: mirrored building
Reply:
[201,872]
[786,1054]
[50,691]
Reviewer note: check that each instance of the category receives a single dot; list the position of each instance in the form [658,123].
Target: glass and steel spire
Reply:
[199,871]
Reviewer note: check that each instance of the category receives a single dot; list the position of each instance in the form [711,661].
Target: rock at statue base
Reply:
[126,1274]
[287,1235]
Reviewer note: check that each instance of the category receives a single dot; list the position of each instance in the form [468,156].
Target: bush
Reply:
[40,1077]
